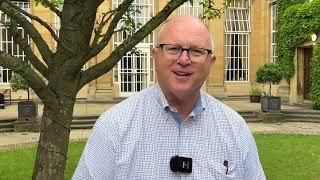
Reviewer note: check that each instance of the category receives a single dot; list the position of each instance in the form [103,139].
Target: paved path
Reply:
[11,140]
[307,128]
[14,139]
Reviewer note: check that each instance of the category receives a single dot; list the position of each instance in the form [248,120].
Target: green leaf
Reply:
[17,82]
[55,3]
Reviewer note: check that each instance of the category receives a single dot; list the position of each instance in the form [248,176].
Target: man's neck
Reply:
[184,105]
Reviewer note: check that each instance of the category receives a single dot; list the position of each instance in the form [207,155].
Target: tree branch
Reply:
[23,44]
[97,48]
[29,28]
[108,63]
[36,18]
[101,26]
[32,78]
[83,58]
[51,7]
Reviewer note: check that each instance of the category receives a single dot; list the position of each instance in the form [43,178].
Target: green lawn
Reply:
[18,164]
[283,157]
[294,157]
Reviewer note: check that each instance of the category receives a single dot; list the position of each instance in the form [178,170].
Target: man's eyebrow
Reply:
[201,47]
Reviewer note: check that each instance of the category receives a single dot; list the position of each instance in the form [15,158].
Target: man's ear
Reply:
[153,52]
[213,59]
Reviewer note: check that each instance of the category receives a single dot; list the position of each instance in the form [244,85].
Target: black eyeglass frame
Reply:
[185,49]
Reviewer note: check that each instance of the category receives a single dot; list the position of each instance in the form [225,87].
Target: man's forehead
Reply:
[186,27]
[183,22]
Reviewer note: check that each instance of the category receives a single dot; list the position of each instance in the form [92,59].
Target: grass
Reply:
[74,153]
[294,157]
[18,164]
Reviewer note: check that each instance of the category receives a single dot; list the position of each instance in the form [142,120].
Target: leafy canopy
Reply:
[18,83]
[269,74]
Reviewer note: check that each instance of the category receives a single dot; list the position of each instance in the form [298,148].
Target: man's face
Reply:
[182,77]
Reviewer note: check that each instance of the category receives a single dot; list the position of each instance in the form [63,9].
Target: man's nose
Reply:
[184,58]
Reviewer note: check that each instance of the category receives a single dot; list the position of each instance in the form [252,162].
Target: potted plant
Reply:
[270,74]
[255,94]
[27,109]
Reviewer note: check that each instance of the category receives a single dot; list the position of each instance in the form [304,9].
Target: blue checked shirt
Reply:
[136,139]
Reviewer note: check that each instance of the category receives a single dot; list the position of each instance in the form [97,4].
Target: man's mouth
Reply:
[181,73]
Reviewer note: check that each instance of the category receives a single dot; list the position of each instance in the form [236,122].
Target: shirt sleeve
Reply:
[252,165]
[98,157]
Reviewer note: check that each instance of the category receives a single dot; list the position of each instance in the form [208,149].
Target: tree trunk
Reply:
[269,89]
[53,143]
[28,94]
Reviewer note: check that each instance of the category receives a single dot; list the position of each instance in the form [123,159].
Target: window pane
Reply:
[135,71]
[237,31]
[194,10]
[7,44]
[273,55]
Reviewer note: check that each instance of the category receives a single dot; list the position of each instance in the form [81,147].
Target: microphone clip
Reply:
[181,164]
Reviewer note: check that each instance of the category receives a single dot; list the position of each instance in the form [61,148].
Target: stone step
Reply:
[302,116]
[6,129]
[253,120]
[246,112]
[81,126]
[87,116]
[300,111]
[302,120]
[83,121]
[7,120]
[250,116]
[79,122]
[87,121]
[6,125]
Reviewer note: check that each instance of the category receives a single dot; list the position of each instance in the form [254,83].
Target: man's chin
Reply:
[182,92]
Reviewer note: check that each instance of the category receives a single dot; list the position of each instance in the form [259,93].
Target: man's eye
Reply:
[173,49]
[197,52]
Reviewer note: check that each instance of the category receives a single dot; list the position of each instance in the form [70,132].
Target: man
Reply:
[173,130]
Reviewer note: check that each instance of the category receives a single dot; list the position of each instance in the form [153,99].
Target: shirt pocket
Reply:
[219,171]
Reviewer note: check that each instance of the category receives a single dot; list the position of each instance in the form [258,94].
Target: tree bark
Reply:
[53,143]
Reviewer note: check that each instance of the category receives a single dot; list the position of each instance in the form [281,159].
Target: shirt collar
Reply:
[197,109]
[160,97]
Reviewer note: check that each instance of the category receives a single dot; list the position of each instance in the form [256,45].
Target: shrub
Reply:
[315,78]
[18,83]
[269,74]
[255,91]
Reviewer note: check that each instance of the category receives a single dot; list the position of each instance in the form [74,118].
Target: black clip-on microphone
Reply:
[181,164]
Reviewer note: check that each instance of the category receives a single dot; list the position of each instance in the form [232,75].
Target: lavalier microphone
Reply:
[181,164]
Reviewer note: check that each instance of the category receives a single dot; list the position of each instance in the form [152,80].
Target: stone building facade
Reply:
[244,38]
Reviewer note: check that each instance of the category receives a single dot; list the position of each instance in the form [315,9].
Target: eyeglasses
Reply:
[173,52]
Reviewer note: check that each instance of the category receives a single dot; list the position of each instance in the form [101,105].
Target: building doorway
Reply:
[307,71]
